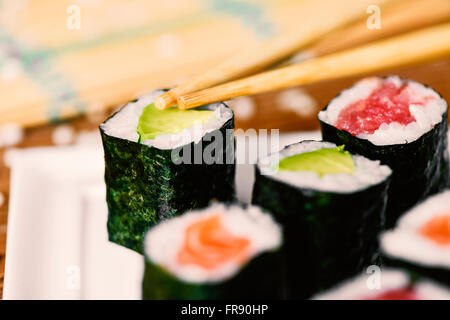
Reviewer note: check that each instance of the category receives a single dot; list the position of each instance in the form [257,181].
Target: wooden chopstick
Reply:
[322,17]
[422,45]
[397,17]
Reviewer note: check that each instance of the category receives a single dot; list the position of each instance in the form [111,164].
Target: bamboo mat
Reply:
[124,48]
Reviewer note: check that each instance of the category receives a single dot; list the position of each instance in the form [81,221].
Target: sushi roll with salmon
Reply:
[160,163]
[421,240]
[403,124]
[331,205]
[222,252]
[389,284]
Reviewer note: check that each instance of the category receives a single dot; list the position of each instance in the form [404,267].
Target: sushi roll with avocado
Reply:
[421,240]
[386,284]
[331,205]
[403,124]
[160,163]
[222,252]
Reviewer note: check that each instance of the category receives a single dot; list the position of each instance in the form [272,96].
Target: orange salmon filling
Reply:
[209,245]
[438,230]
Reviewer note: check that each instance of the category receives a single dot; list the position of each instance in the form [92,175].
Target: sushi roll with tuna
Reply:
[403,124]
[386,284]
[421,240]
[331,205]
[161,163]
[216,253]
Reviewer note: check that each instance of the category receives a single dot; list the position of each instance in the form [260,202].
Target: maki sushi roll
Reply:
[331,206]
[216,253]
[160,163]
[421,240]
[403,124]
[389,284]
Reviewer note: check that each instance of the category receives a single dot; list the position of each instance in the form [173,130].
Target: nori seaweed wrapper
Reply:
[420,168]
[144,186]
[328,236]
[260,278]
[417,270]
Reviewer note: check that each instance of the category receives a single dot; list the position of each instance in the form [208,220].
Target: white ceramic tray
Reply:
[57,245]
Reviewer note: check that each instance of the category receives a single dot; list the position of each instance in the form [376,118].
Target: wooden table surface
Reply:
[434,74]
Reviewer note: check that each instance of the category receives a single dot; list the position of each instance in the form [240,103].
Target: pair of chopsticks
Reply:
[413,47]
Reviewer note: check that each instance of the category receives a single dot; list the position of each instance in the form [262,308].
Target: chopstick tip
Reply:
[181,103]
[164,101]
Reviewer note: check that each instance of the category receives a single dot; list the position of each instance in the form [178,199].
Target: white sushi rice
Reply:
[11,134]
[405,241]
[124,124]
[365,173]
[358,288]
[426,116]
[391,279]
[63,135]
[428,290]
[164,242]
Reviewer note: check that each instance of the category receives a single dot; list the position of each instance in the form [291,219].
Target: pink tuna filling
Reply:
[386,104]
[396,294]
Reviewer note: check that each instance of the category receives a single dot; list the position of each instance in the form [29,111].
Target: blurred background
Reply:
[65,65]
